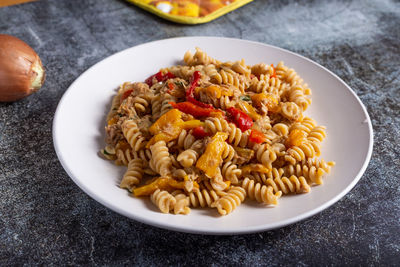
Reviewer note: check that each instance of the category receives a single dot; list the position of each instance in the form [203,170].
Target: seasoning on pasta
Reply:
[213,134]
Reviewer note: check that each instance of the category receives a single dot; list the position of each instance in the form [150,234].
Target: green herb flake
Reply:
[179,83]
[245,98]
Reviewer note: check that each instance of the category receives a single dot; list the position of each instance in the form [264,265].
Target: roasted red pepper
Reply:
[241,119]
[192,109]
[160,77]
[273,71]
[171,87]
[193,84]
[190,91]
[199,132]
[257,137]
[125,95]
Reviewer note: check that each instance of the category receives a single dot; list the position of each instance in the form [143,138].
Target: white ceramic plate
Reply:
[78,133]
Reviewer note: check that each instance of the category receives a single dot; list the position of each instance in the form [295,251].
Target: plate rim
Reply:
[187,229]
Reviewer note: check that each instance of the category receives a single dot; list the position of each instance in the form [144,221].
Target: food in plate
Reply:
[211,134]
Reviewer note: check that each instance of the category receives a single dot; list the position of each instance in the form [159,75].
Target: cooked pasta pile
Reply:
[212,133]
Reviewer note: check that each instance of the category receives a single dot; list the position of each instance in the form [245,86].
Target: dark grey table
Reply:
[46,219]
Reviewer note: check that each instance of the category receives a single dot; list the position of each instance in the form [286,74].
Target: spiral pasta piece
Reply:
[186,140]
[203,198]
[263,177]
[296,95]
[235,135]
[293,184]
[156,107]
[281,129]
[188,157]
[229,153]
[261,68]
[133,135]
[258,86]
[301,152]
[108,152]
[183,72]
[291,110]
[142,103]
[124,156]
[165,105]
[223,102]
[182,203]
[306,125]
[261,193]
[230,201]
[240,67]
[145,156]
[160,161]
[317,134]
[292,77]
[265,155]
[214,125]
[280,70]
[226,77]
[199,58]
[133,175]
[163,200]
[218,183]
[312,174]
[231,172]
[321,163]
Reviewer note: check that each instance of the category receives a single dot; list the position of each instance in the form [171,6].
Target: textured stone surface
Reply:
[45,218]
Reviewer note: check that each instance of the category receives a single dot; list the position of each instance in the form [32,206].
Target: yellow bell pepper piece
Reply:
[255,167]
[211,159]
[162,183]
[167,127]
[214,91]
[145,190]
[296,138]
[163,123]
[246,107]
[269,100]
[112,121]
[191,124]
[122,144]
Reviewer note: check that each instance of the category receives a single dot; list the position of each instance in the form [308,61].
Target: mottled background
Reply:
[46,219]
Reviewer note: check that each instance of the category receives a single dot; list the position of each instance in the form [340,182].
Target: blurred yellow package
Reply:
[189,11]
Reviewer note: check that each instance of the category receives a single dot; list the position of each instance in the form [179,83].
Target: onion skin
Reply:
[21,70]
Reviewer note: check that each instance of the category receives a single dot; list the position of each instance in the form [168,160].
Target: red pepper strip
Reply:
[192,109]
[171,87]
[199,132]
[125,95]
[193,84]
[168,75]
[257,137]
[190,91]
[273,72]
[198,103]
[241,119]
[159,77]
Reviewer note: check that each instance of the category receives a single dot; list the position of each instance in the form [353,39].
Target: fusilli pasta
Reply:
[211,133]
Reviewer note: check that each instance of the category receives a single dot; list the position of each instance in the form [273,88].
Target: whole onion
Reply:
[21,70]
